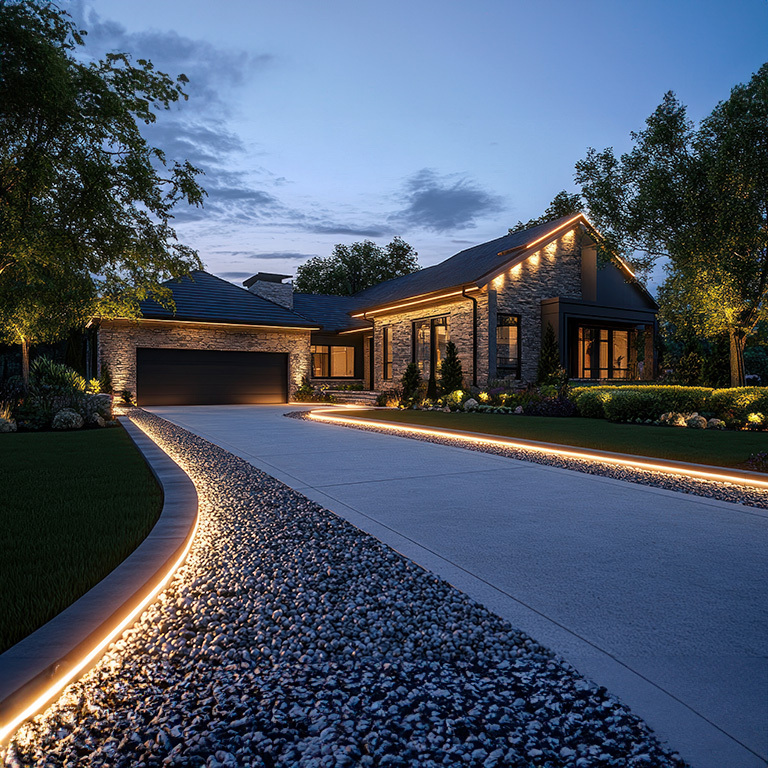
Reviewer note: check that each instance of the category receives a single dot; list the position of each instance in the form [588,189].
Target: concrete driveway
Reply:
[661,597]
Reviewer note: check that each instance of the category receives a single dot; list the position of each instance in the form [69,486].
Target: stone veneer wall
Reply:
[460,321]
[118,340]
[553,271]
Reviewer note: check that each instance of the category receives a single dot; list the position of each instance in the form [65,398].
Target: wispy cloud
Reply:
[444,203]
[344,229]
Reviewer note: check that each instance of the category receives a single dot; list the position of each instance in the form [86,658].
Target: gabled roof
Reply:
[465,267]
[205,298]
[331,312]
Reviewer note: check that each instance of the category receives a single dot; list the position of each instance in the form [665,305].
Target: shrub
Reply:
[389,398]
[451,373]
[44,372]
[411,383]
[549,359]
[105,380]
[734,405]
[628,405]
[590,403]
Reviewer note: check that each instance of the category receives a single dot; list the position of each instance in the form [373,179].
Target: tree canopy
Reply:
[563,204]
[697,196]
[355,267]
[85,202]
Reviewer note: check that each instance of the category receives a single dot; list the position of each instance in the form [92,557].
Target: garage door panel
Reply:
[209,377]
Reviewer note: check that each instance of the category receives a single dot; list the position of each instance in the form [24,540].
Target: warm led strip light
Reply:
[607,458]
[6,729]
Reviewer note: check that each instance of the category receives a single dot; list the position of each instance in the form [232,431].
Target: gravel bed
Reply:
[290,638]
[737,494]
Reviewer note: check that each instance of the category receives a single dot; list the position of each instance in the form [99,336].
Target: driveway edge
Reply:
[35,670]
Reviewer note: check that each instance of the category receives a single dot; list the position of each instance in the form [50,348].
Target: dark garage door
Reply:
[206,377]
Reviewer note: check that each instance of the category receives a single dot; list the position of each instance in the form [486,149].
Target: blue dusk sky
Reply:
[446,122]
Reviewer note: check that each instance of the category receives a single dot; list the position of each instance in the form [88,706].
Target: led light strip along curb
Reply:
[44,685]
[623,460]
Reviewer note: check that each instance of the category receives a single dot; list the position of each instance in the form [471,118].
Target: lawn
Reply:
[73,505]
[719,448]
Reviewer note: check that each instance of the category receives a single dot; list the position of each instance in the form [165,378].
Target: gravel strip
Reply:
[736,494]
[290,638]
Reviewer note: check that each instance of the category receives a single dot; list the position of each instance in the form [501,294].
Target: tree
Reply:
[353,268]
[451,373]
[563,204]
[410,382]
[85,202]
[697,196]
[549,358]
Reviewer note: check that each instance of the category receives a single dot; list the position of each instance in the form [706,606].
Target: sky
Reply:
[442,122]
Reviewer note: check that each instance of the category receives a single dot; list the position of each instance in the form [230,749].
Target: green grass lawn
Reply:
[719,448]
[73,505]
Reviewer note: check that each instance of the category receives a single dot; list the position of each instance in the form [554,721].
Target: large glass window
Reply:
[332,362]
[508,346]
[604,353]
[430,339]
[387,338]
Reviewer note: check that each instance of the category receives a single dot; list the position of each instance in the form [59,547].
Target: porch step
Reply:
[364,397]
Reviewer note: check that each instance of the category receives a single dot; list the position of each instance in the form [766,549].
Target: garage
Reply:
[210,377]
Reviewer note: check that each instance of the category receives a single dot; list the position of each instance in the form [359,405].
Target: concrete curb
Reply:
[671,466]
[35,670]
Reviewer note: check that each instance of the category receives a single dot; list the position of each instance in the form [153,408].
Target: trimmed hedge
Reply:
[628,403]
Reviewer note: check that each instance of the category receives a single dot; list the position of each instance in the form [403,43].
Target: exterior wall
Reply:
[118,339]
[460,333]
[555,270]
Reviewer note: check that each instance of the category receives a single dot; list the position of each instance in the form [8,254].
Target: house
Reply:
[225,344]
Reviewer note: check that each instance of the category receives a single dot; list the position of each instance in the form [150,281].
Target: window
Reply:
[333,362]
[387,339]
[430,338]
[508,346]
[603,353]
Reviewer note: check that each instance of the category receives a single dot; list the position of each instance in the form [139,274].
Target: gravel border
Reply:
[291,638]
[722,491]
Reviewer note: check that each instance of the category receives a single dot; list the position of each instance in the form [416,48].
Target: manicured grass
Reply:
[719,448]
[73,505]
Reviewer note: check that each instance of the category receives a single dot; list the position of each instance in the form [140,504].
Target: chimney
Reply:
[272,287]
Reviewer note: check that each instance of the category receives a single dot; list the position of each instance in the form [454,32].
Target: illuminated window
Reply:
[333,362]
[387,337]
[508,346]
[430,338]
[603,353]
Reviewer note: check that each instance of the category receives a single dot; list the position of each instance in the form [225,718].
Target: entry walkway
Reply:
[658,596]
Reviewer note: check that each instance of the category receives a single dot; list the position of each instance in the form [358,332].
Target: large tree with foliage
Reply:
[563,204]
[85,202]
[697,196]
[355,267]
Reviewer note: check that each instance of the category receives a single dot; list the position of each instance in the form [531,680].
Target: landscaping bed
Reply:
[724,448]
[75,505]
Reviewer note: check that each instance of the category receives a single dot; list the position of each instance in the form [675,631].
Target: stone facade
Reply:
[118,340]
[555,270]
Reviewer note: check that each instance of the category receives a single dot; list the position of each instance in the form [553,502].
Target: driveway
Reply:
[658,596]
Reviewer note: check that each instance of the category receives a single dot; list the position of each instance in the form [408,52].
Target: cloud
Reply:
[344,229]
[234,275]
[268,255]
[444,203]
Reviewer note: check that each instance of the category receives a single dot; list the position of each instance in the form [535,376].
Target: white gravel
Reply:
[290,638]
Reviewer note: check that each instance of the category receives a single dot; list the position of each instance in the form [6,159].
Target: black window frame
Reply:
[509,371]
[433,324]
[630,370]
[328,357]
[387,359]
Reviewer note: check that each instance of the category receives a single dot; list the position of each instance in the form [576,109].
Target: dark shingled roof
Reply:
[465,267]
[207,298]
[330,311]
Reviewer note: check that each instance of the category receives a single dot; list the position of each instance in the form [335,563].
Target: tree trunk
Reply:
[25,363]
[737,339]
